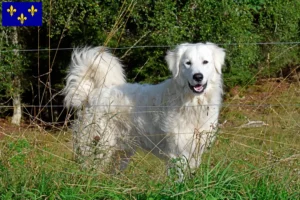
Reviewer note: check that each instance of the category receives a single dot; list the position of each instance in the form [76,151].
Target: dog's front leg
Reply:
[178,168]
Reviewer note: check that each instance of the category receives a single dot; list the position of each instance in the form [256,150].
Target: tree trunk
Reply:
[16,118]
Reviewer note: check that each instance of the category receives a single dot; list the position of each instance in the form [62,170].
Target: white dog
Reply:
[176,118]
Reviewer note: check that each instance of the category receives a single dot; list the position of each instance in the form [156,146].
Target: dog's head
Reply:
[196,65]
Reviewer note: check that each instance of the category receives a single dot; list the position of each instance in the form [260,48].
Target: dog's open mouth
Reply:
[198,88]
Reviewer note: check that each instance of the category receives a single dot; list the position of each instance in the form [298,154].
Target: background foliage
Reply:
[235,25]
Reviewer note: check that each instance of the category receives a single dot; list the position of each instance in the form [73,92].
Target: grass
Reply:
[245,163]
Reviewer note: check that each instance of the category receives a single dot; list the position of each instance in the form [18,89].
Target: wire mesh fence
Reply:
[258,132]
[256,151]
[272,122]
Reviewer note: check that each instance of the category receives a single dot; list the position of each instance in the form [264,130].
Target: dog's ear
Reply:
[219,56]
[173,58]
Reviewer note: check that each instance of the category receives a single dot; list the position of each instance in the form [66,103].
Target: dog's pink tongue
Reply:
[198,88]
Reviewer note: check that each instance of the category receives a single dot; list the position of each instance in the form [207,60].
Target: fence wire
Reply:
[153,46]
[136,106]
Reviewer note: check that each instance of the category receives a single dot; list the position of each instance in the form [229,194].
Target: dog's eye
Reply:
[188,63]
[205,62]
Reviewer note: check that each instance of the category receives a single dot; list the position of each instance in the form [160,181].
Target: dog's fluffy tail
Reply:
[91,68]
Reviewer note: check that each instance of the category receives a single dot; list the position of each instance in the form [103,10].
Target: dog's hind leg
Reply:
[94,143]
[127,144]
[125,158]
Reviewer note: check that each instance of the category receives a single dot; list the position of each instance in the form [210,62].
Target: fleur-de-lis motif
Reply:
[11,10]
[22,18]
[32,10]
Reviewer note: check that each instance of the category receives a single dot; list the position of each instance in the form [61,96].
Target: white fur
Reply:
[168,119]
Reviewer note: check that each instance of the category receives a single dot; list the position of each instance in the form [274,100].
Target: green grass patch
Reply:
[244,163]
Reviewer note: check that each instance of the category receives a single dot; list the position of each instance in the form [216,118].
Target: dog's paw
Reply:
[178,169]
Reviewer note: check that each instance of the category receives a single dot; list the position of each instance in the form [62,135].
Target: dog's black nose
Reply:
[198,77]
